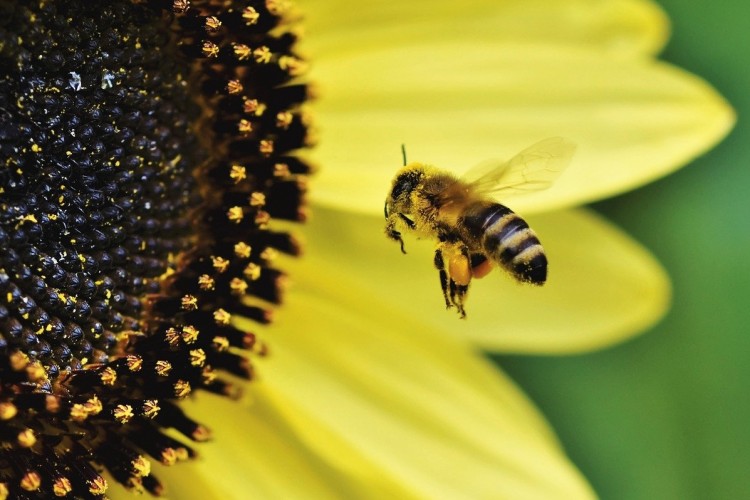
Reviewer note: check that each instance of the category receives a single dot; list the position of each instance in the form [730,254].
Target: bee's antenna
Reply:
[403,152]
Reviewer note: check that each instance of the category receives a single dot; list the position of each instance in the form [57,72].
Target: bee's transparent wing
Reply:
[533,169]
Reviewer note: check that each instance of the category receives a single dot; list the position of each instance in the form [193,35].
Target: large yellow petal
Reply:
[602,287]
[456,103]
[427,412]
[623,27]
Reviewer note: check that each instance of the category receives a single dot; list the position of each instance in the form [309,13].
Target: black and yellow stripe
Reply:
[506,239]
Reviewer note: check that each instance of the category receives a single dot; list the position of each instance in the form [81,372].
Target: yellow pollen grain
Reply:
[26,438]
[242,51]
[62,487]
[284,119]
[108,376]
[7,410]
[123,413]
[197,357]
[36,148]
[98,486]
[210,49]
[168,456]
[257,199]
[93,406]
[180,6]
[31,481]
[235,87]
[189,302]
[220,263]
[220,343]
[252,271]
[222,317]
[262,218]
[238,286]
[141,466]
[262,55]
[235,214]
[182,389]
[212,24]
[208,375]
[135,363]
[172,336]
[150,408]
[242,250]
[250,15]
[245,126]
[189,334]
[238,173]
[163,368]
[281,170]
[269,254]
[78,413]
[206,282]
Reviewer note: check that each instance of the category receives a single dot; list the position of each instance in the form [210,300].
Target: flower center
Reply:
[147,146]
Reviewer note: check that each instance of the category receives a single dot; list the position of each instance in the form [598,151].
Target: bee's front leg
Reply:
[454,264]
[392,233]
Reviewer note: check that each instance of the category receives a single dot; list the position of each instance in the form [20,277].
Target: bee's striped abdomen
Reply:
[507,239]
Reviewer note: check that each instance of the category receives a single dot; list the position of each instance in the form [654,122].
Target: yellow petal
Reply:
[454,104]
[422,408]
[623,27]
[602,286]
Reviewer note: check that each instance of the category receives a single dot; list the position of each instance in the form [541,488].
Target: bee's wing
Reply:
[533,169]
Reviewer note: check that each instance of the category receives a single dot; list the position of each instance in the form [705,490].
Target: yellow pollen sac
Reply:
[234,87]
[182,388]
[238,286]
[180,6]
[62,487]
[257,199]
[222,317]
[220,263]
[210,49]
[281,170]
[189,334]
[262,55]
[269,254]
[220,343]
[123,413]
[242,51]
[7,410]
[150,408]
[245,126]
[168,456]
[189,302]
[172,336]
[242,250]
[235,214]
[212,24]
[141,466]
[266,147]
[163,368]
[135,363]
[284,119]
[252,271]
[108,376]
[31,481]
[98,486]
[206,282]
[78,413]
[262,218]
[250,15]
[197,357]
[18,360]
[93,406]
[238,173]
[26,438]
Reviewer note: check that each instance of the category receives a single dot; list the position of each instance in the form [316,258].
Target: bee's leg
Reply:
[456,264]
[444,282]
[390,231]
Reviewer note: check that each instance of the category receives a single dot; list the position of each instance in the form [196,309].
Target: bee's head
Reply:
[399,199]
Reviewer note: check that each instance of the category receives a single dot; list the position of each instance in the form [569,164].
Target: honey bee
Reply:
[473,231]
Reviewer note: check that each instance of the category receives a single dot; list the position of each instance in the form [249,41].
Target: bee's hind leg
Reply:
[454,264]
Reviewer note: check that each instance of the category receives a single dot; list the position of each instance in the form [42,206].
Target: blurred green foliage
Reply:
[667,415]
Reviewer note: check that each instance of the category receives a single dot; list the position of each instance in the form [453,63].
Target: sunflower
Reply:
[371,390]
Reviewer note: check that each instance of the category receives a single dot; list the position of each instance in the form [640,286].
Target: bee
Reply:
[472,230]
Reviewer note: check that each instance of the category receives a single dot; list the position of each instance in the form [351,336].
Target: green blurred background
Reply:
[667,415]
